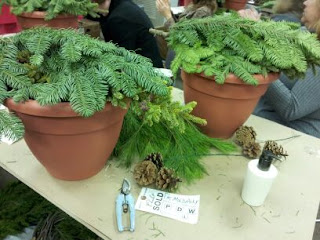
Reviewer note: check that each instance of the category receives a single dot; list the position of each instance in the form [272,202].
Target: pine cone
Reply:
[166,179]
[245,135]
[145,173]
[251,150]
[156,158]
[276,149]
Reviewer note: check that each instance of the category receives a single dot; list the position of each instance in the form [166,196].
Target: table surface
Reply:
[289,211]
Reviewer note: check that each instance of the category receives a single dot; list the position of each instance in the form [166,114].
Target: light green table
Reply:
[288,213]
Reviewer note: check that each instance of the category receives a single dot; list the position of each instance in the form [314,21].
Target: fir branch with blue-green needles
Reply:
[225,44]
[53,7]
[53,66]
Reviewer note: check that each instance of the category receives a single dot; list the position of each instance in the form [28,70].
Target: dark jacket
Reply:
[288,17]
[128,26]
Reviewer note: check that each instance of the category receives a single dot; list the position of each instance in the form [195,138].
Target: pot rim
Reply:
[41,14]
[233,79]
[59,110]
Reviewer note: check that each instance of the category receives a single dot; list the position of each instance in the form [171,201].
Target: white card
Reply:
[177,10]
[184,208]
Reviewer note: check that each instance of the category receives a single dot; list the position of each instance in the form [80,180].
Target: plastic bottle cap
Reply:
[265,160]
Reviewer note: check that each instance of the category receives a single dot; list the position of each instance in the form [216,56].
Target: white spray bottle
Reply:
[259,179]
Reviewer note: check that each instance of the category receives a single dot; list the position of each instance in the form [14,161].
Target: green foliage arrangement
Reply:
[161,125]
[53,7]
[265,3]
[53,66]
[21,207]
[226,44]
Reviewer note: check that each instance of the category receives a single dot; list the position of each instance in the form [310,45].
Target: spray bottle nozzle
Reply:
[266,159]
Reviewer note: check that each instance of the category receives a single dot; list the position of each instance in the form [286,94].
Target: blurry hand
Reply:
[105,6]
[250,14]
[164,9]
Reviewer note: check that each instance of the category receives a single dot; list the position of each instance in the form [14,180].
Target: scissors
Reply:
[125,203]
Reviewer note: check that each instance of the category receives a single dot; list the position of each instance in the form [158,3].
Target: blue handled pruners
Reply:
[125,203]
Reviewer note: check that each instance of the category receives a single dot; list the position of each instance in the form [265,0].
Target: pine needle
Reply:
[181,151]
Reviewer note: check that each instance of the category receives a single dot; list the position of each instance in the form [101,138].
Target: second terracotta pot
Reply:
[70,147]
[235,4]
[225,107]
[36,18]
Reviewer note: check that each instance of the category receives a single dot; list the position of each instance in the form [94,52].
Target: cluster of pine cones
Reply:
[151,170]
[246,138]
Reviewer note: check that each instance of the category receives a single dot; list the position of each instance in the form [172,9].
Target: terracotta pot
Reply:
[36,18]
[235,4]
[187,2]
[225,106]
[71,147]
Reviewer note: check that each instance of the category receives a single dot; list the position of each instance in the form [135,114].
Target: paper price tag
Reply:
[184,208]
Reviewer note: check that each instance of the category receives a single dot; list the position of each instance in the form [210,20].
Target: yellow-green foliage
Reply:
[226,44]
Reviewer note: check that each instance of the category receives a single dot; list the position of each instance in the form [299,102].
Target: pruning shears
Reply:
[125,203]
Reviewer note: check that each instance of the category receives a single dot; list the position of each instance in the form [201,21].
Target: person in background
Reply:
[196,9]
[288,10]
[127,25]
[296,103]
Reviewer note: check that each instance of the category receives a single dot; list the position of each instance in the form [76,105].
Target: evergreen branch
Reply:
[50,94]
[50,66]
[3,92]
[175,136]
[70,51]
[11,126]
[53,7]
[88,79]
[15,80]
[249,47]
[39,44]
[82,96]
